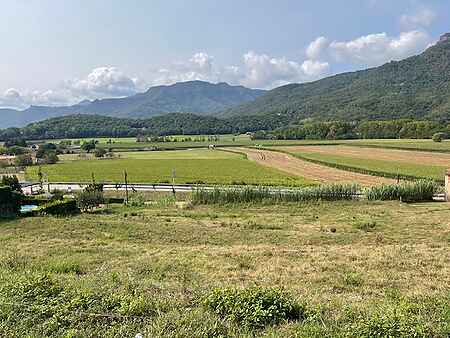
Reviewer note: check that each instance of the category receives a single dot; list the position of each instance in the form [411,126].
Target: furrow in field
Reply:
[308,170]
[408,156]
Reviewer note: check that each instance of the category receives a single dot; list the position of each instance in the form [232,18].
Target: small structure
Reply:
[8,159]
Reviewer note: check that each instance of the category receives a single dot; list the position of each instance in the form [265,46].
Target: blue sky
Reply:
[60,52]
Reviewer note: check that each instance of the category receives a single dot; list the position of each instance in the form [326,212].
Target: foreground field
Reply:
[308,170]
[390,278]
[381,162]
[191,167]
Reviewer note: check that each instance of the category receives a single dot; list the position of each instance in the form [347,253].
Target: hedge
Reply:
[10,202]
[59,208]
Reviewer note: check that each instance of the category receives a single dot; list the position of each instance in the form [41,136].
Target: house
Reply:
[8,159]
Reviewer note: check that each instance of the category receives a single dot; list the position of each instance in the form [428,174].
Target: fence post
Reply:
[447,186]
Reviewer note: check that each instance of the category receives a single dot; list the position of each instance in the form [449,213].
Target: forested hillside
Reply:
[417,88]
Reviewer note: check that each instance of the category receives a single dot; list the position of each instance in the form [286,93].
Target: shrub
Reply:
[50,309]
[423,190]
[439,137]
[59,208]
[391,323]
[99,152]
[10,202]
[254,307]
[89,199]
[23,160]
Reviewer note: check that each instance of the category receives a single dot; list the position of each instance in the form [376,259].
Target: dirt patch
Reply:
[408,156]
[308,170]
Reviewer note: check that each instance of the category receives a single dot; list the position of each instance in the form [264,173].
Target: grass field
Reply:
[191,166]
[126,271]
[361,161]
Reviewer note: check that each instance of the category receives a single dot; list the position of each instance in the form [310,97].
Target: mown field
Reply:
[373,161]
[148,270]
[191,167]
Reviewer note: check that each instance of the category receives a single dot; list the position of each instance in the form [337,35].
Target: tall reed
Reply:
[330,192]
[418,191]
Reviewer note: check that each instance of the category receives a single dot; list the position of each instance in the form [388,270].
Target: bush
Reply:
[100,152]
[419,191]
[89,199]
[439,137]
[254,307]
[59,208]
[23,160]
[10,202]
[391,323]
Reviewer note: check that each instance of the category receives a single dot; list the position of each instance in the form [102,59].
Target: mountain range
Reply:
[415,88]
[197,97]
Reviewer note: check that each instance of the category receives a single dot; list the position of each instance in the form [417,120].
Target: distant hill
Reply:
[417,88]
[82,125]
[198,97]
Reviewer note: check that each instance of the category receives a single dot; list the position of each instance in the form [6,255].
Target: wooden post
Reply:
[447,186]
[125,174]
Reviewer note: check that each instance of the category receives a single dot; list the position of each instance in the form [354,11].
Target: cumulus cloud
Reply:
[370,50]
[199,67]
[317,48]
[262,71]
[424,17]
[102,82]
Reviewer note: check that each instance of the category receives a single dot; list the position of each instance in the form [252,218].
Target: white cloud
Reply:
[262,71]
[376,49]
[316,48]
[424,17]
[103,82]
[199,67]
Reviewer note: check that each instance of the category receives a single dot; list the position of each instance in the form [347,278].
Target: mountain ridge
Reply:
[199,97]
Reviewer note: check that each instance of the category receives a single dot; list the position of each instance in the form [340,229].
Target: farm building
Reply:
[8,159]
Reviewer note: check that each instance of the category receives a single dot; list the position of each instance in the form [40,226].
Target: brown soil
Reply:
[409,156]
[308,170]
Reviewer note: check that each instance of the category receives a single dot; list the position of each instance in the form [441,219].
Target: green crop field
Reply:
[150,270]
[392,168]
[191,166]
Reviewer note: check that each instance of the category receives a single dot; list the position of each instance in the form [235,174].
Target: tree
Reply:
[13,182]
[88,146]
[23,160]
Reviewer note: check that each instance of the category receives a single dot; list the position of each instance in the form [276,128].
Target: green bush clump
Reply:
[50,309]
[389,323]
[332,192]
[418,191]
[254,307]
[59,208]
[89,199]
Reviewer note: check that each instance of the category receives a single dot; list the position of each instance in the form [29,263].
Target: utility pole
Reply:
[125,175]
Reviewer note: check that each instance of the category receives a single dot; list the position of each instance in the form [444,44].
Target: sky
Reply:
[59,52]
